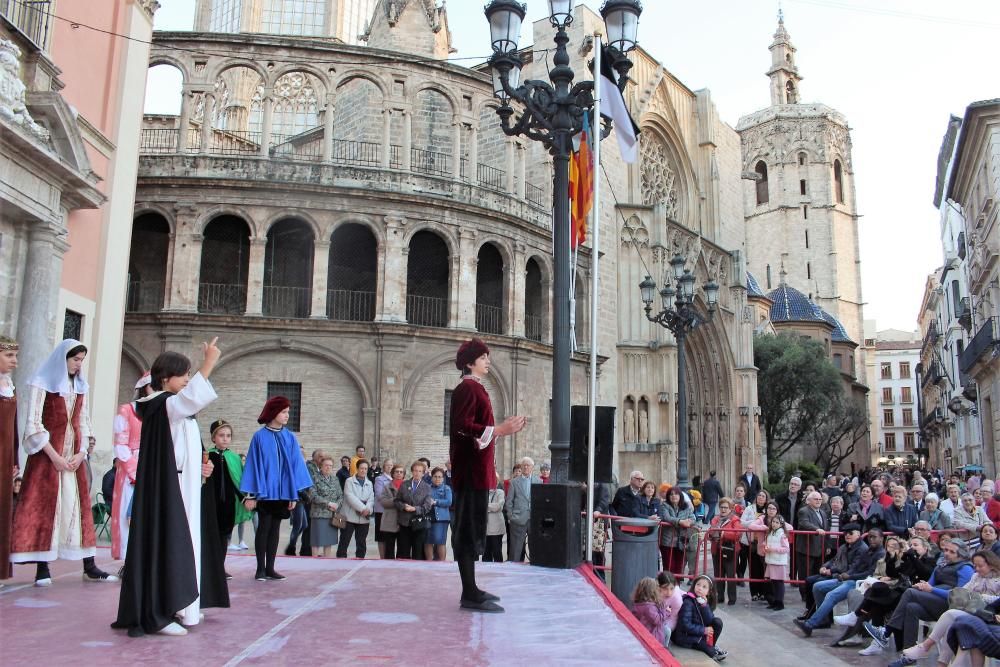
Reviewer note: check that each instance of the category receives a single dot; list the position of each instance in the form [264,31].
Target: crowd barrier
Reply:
[709,542]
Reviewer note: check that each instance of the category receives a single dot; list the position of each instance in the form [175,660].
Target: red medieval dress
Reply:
[8,459]
[128,428]
[473,472]
[53,517]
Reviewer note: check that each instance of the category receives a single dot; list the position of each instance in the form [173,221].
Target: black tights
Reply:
[270,514]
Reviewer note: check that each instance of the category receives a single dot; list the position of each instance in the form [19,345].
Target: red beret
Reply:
[274,405]
[469,352]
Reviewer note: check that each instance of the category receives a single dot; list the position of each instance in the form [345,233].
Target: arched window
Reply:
[791,96]
[288,265]
[762,192]
[533,302]
[490,291]
[351,277]
[838,181]
[427,281]
[802,158]
[225,264]
[147,264]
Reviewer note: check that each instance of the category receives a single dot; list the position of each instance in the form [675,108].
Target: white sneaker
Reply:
[43,583]
[873,649]
[846,619]
[233,547]
[173,630]
[243,546]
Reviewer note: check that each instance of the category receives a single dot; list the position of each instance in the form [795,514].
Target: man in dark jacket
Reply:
[809,548]
[626,502]
[711,491]
[790,502]
[900,515]
[853,561]
[752,482]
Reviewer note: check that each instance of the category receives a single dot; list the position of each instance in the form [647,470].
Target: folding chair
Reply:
[102,517]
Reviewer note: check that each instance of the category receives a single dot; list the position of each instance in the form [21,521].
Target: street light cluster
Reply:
[552,113]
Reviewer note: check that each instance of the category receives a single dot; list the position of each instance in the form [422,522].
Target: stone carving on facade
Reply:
[629,425]
[659,177]
[634,233]
[12,91]
[643,425]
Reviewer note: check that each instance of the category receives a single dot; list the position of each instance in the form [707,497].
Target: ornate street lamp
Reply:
[552,112]
[679,315]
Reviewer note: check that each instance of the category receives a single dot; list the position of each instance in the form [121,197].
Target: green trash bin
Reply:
[635,554]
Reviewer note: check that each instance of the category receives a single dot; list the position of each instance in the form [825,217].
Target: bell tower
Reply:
[784,73]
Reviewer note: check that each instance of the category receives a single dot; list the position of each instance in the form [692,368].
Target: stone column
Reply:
[407,140]
[184,121]
[328,129]
[206,123]
[186,268]
[39,301]
[321,262]
[521,169]
[511,147]
[515,304]
[456,168]
[472,172]
[465,281]
[255,277]
[265,127]
[394,272]
[386,138]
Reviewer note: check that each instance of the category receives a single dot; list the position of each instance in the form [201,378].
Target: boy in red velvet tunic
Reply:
[473,435]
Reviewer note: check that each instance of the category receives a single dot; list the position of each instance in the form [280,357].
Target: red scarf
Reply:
[396,483]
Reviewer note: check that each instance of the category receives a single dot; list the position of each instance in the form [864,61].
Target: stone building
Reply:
[69,129]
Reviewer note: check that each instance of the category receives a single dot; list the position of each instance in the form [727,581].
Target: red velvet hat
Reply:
[469,352]
[274,405]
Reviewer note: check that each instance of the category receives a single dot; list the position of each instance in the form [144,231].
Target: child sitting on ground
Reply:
[649,608]
[673,598]
[697,625]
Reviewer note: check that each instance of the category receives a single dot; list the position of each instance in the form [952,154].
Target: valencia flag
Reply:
[581,184]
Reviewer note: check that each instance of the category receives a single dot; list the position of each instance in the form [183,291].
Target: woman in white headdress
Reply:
[128,427]
[53,518]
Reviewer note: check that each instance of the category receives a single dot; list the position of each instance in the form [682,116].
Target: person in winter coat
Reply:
[933,514]
[677,518]
[724,536]
[697,625]
[389,526]
[435,546]
[325,496]
[649,609]
[358,506]
[776,548]
[867,511]
[750,547]
[494,525]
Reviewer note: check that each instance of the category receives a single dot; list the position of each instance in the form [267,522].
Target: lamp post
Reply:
[679,315]
[552,112]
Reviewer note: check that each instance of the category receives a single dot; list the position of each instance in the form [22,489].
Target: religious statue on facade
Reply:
[12,91]
[643,426]
[629,425]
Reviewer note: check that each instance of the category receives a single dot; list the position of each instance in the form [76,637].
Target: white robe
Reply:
[194,398]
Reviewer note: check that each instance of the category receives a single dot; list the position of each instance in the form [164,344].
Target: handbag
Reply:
[338,520]
[419,522]
[966,600]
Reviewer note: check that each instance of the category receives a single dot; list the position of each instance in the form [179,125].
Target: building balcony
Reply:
[933,374]
[144,297]
[984,341]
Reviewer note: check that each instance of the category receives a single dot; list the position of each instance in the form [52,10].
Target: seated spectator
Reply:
[853,562]
[988,538]
[933,514]
[673,599]
[866,511]
[968,518]
[918,493]
[697,625]
[993,509]
[649,608]
[924,601]
[953,500]
[973,640]
[900,515]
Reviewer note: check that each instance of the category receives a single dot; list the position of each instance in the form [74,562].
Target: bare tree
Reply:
[837,432]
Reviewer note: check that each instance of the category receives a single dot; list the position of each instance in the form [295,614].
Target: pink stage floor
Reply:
[330,612]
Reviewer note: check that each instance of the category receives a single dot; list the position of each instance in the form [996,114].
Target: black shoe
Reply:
[741,584]
[805,615]
[260,576]
[487,606]
[720,655]
[290,550]
[732,601]
[778,607]
[274,575]
[804,627]
[99,575]
[487,597]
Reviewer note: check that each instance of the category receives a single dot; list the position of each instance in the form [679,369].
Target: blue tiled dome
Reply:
[791,305]
[839,334]
[753,287]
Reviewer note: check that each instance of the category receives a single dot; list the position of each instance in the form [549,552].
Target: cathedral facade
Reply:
[342,215]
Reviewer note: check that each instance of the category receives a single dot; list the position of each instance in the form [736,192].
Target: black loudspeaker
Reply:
[554,536]
[579,425]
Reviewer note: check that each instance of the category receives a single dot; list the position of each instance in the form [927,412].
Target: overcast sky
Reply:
[896,68]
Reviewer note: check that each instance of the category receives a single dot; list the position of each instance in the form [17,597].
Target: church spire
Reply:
[784,74]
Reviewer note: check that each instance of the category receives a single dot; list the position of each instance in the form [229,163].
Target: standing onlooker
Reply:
[790,502]
[544,473]
[725,539]
[325,497]
[626,501]
[435,548]
[359,503]
[711,492]
[345,470]
[677,518]
[359,455]
[776,550]
[494,525]
[649,504]
[752,481]
[515,471]
[809,548]
[413,500]
[866,511]
[518,504]
[379,483]
[390,515]
[752,551]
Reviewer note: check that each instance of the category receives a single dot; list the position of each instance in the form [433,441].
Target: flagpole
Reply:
[595,248]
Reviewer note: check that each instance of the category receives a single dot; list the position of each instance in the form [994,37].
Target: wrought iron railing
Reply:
[304,149]
[282,301]
[395,156]
[364,153]
[533,327]
[144,297]
[430,162]
[235,142]
[194,140]
[224,298]
[158,140]
[30,17]
[350,306]
[985,339]
[535,195]
[489,319]
[426,311]
[491,177]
